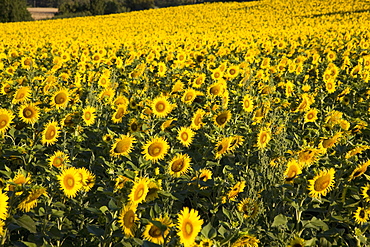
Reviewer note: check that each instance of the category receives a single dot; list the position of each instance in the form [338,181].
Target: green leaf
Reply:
[112,205]
[279,220]
[317,224]
[150,244]
[57,213]
[227,213]
[222,230]
[95,230]
[26,222]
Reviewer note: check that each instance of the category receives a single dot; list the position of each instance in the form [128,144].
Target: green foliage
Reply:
[140,4]
[14,10]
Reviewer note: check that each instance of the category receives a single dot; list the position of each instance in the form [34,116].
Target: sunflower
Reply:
[177,87]
[205,175]
[293,169]
[127,219]
[106,95]
[196,120]
[154,187]
[189,225]
[121,100]
[50,134]
[233,71]
[29,113]
[311,115]
[306,102]
[161,107]
[3,205]
[60,98]
[118,114]
[264,137]
[307,156]
[199,80]
[361,215]
[89,115]
[222,118]
[322,183]
[330,142]
[156,234]
[361,169]
[297,242]
[120,182]
[246,240]
[31,200]
[2,224]
[155,149]
[216,89]
[167,124]
[223,147]
[70,181]
[179,165]
[87,178]
[6,118]
[366,192]
[139,191]
[59,159]
[217,74]
[185,135]
[356,150]
[189,96]
[104,80]
[330,86]
[247,103]
[19,179]
[123,145]
[248,207]
[134,125]
[21,95]
[236,189]
[206,243]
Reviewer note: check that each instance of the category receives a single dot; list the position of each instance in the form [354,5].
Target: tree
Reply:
[14,10]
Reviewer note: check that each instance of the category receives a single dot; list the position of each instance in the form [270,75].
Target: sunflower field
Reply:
[218,124]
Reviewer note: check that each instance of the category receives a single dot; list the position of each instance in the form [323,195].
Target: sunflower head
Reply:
[185,135]
[322,183]
[50,134]
[59,159]
[123,145]
[179,165]
[6,118]
[196,121]
[127,219]
[70,181]
[139,191]
[263,138]
[60,98]
[156,149]
[89,115]
[189,225]
[222,118]
[294,168]
[156,233]
[161,107]
[21,95]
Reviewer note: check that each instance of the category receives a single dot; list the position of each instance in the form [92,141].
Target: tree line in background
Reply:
[16,10]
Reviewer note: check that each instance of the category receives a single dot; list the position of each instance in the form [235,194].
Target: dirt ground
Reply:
[42,13]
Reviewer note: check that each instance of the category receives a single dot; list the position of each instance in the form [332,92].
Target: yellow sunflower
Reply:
[361,169]
[330,86]
[235,190]
[87,178]
[206,243]
[356,150]
[361,215]
[199,80]
[155,234]
[3,205]
[154,187]
[155,149]
[246,240]
[190,95]
[307,156]
[121,100]
[297,242]
[59,159]
[222,118]
[60,98]
[248,207]
[223,147]
[6,118]
[366,192]
[161,107]
[216,89]
[50,134]
[247,103]
[123,145]
[19,179]
[189,225]
[118,114]
[106,95]
[196,120]
[139,191]
[330,142]
[179,165]
[322,183]
[264,137]
[127,219]
[89,115]
[134,125]
[21,95]
[167,124]
[29,113]
[233,71]
[185,135]
[293,169]
[31,200]
[70,181]
[311,115]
